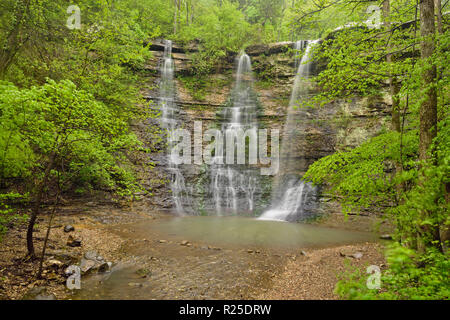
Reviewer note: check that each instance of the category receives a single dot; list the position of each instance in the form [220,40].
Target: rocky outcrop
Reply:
[158,45]
[269,49]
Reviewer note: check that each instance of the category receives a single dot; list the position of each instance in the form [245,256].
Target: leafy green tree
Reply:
[64,130]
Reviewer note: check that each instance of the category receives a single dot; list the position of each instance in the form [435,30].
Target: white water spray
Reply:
[169,121]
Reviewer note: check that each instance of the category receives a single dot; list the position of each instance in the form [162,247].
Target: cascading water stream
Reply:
[233,185]
[293,197]
[169,121]
[298,46]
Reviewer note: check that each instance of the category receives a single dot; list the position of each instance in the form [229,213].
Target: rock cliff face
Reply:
[334,127]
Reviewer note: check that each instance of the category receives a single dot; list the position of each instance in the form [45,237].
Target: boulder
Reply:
[87,265]
[93,262]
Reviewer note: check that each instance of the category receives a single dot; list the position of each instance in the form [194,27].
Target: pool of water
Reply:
[253,232]
[201,271]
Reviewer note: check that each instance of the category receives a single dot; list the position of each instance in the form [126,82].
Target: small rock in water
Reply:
[69,228]
[386,237]
[184,243]
[72,242]
[162,241]
[143,273]
[303,253]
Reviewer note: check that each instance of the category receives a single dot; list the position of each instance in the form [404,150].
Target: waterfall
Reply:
[298,46]
[294,198]
[233,185]
[169,121]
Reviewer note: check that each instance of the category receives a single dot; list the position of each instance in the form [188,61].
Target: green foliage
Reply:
[409,276]
[195,85]
[221,28]
[8,215]
[427,193]
[199,85]
[86,136]
[360,177]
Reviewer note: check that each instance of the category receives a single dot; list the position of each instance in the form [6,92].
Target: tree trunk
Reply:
[47,235]
[438,8]
[394,86]
[37,205]
[444,229]
[186,5]
[13,40]
[428,109]
[175,17]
